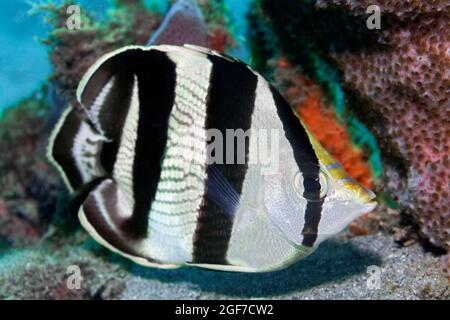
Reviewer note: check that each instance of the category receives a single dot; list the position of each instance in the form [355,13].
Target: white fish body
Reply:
[139,158]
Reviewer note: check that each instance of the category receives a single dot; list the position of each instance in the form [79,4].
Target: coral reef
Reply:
[220,25]
[402,9]
[263,42]
[334,70]
[302,52]
[28,186]
[72,52]
[398,78]
[29,189]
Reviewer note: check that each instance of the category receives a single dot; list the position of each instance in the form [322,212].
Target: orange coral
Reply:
[325,126]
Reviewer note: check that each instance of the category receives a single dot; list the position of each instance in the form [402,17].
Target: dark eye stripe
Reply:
[308,163]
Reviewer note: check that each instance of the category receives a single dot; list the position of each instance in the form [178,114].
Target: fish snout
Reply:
[352,190]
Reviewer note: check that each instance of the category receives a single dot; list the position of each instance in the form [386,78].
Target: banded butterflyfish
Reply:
[156,179]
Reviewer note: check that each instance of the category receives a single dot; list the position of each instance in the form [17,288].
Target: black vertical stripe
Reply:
[62,146]
[106,195]
[115,109]
[307,161]
[230,105]
[108,155]
[156,77]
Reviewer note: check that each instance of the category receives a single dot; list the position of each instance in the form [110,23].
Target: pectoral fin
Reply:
[221,192]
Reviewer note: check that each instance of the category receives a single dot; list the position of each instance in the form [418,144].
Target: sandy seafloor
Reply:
[337,270]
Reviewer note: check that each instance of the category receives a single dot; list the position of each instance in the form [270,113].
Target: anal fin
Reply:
[104,214]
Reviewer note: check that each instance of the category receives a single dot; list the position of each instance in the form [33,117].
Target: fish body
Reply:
[157,183]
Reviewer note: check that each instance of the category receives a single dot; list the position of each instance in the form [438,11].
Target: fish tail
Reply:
[73,149]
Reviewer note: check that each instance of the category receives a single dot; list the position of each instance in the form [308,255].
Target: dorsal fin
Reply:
[105,92]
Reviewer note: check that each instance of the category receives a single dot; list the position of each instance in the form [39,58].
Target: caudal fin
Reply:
[74,148]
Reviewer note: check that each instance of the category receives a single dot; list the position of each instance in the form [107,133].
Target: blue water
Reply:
[24,63]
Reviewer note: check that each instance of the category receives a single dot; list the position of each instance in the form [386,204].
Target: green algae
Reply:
[159,6]
[115,25]
[262,41]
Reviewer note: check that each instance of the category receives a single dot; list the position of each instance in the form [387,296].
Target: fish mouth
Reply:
[362,194]
[366,197]
[368,206]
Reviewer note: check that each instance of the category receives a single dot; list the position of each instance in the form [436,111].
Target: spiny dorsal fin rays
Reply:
[165,48]
[207,51]
[186,49]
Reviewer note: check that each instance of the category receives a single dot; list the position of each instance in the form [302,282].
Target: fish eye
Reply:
[324,184]
[323,180]
[298,183]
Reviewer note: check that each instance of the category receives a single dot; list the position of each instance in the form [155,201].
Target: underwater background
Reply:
[377,99]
